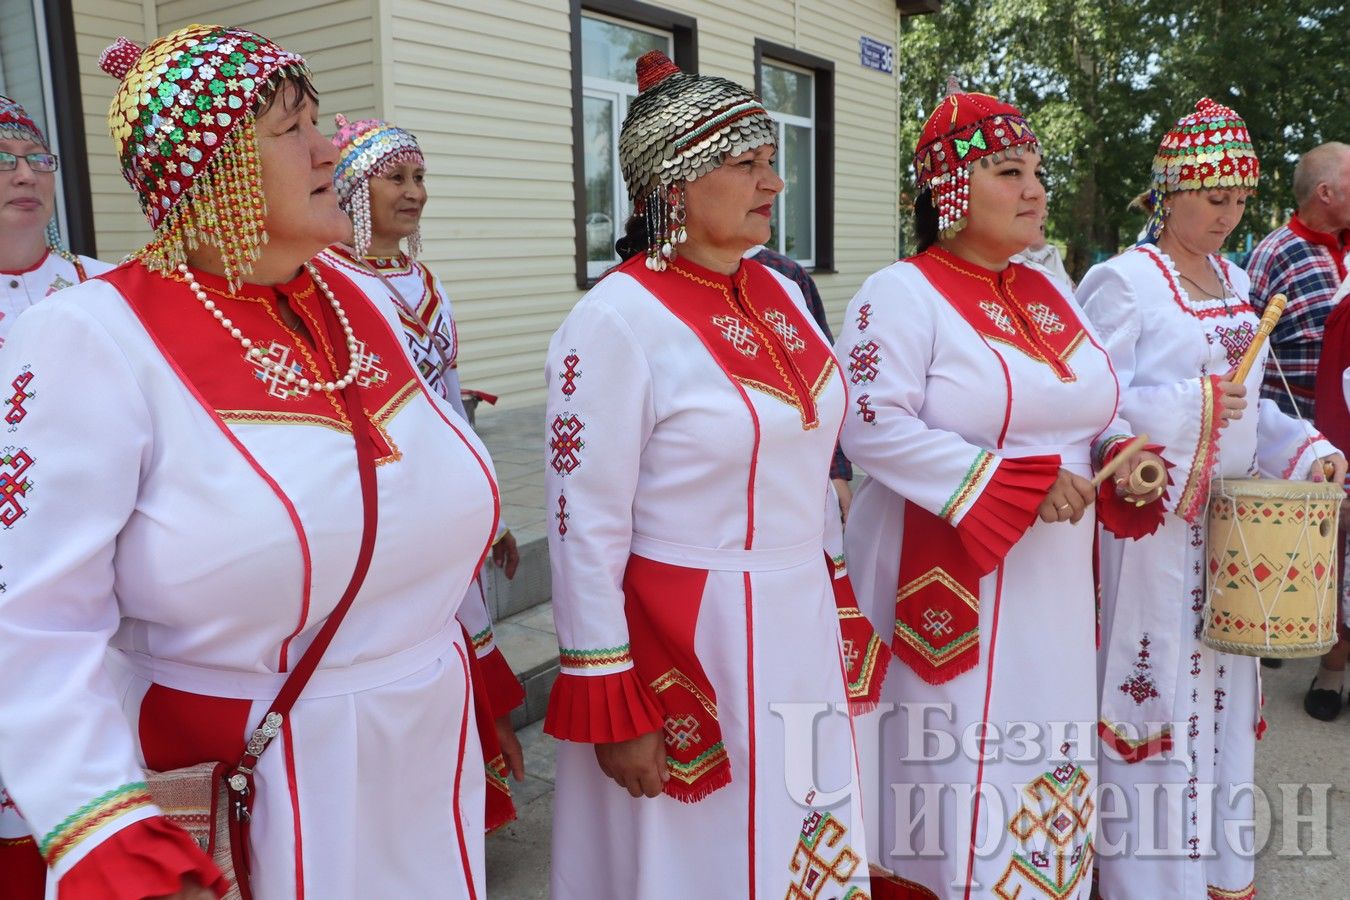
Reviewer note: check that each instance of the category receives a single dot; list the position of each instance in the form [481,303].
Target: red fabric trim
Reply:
[1120,516]
[1330,414]
[499,807]
[865,675]
[601,709]
[46,252]
[1133,753]
[149,858]
[501,688]
[888,885]
[288,746]
[750,710]
[662,603]
[1332,243]
[1298,454]
[179,729]
[1006,508]
[22,869]
[1197,482]
[984,733]
[936,574]
[459,774]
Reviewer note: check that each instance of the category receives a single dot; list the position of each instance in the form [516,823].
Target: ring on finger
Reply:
[1064,506]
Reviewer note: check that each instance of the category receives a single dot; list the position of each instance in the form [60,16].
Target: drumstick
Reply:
[1268,319]
[1119,460]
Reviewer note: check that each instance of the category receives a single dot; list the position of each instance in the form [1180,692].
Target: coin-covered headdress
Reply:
[182,120]
[17,125]
[965,127]
[367,148]
[1208,148]
[679,127]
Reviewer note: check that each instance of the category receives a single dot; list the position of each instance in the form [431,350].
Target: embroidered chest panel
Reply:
[1021,309]
[759,337]
[1198,307]
[240,389]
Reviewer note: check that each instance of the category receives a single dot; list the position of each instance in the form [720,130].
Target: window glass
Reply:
[786,91]
[789,95]
[598,113]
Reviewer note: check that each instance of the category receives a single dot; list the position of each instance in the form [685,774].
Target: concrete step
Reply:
[530,645]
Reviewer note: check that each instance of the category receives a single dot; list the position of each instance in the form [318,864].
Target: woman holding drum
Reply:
[1175,318]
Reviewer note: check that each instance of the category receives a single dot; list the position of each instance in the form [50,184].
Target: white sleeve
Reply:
[71,476]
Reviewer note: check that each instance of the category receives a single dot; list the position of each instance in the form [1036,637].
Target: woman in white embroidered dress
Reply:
[1175,318]
[692,412]
[980,403]
[380,178]
[186,500]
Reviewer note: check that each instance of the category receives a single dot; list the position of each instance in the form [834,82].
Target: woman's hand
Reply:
[638,765]
[506,555]
[1232,400]
[511,750]
[1329,468]
[192,890]
[1141,459]
[1068,497]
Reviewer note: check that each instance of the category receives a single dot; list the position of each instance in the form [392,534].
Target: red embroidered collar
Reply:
[1018,307]
[749,324]
[1335,244]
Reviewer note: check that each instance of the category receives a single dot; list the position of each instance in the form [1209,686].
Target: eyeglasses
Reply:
[38,162]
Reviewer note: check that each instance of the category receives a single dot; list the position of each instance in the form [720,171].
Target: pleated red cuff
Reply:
[149,858]
[503,687]
[1120,516]
[601,709]
[1006,508]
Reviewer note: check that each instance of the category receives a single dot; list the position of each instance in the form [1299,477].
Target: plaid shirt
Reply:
[840,467]
[1295,261]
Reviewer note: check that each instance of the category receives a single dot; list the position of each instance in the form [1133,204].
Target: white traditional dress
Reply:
[172,500]
[19,859]
[969,390]
[692,417]
[51,273]
[1169,351]
[428,327]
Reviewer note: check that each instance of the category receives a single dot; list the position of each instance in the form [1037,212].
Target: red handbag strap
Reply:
[240,779]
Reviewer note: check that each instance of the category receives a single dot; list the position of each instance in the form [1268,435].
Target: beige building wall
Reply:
[487,87]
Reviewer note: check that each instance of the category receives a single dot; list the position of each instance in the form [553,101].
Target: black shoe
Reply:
[1272,662]
[1322,704]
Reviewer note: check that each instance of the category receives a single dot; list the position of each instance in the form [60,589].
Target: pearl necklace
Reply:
[281,371]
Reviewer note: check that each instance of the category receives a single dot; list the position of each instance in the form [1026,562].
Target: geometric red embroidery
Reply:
[864,316]
[566,443]
[862,362]
[13,485]
[1235,340]
[562,516]
[16,400]
[570,374]
[1140,686]
[865,410]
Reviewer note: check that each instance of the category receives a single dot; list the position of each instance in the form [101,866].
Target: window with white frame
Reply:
[609,52]
[790,96]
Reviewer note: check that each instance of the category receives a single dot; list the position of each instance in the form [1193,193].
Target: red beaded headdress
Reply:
[965,127]
[1209,148]
[182,122]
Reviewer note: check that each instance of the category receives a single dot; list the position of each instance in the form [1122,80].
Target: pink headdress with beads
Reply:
[965,127]
[367,148]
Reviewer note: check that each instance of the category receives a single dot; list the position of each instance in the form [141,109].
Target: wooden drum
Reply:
[1271,572]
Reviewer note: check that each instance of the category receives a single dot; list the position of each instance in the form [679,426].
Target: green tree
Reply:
[1101,80]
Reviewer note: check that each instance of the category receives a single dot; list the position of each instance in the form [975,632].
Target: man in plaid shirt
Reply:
[1306,261]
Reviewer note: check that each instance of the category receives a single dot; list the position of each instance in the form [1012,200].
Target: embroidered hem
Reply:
[1006,508]
[1196,491]
[601,709]
[1298,455]
[1218,893]
[92,816]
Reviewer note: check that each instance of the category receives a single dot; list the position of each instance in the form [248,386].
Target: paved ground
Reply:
[1297,751]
